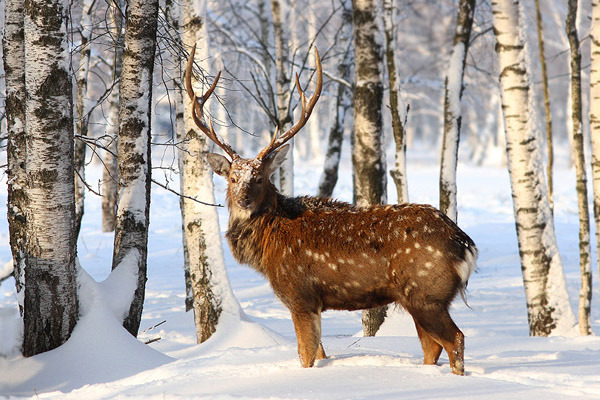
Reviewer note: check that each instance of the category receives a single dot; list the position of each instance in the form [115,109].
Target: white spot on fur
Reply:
[417,245]
[332,266]
[407,250]
[430,249]
[428,265]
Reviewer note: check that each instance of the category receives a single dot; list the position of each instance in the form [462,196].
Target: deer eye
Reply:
[232,179]
[259,180]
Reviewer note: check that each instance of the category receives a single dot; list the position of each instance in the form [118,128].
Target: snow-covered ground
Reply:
[256,357]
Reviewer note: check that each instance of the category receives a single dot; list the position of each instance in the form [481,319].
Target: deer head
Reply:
[249,189]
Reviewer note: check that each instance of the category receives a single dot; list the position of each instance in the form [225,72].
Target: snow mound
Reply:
[234,332]
[99,349]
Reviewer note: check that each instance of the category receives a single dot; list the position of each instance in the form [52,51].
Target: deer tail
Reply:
[465,268]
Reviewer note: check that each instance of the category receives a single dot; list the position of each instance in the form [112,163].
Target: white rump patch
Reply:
[465,268]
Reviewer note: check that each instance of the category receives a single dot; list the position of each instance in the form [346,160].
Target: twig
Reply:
[154,326]
[184,196]
[156,339]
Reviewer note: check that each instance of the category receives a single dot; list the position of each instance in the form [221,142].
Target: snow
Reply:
[7,269]
[254,357]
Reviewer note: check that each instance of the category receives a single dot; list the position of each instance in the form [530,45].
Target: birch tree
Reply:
[85,29]
[585,292]
[13,48]
[547,299]
[212,294]
[173,16]
[398,173]
[340,107]
[367,155]
[284,93]
[548,114]
[133,150]
[110,171]
[453,89]
[595,116]
[50,302]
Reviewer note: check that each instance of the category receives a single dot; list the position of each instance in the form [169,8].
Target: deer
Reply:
[323,254]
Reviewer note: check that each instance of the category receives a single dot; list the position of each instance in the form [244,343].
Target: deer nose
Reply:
[244,202]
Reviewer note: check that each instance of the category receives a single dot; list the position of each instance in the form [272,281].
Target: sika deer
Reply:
[321,254]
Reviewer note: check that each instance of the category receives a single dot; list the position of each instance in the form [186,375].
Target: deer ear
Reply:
[218,163]
[276,158]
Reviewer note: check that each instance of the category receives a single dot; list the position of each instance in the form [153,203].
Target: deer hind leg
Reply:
[321,352]
[431,348]
[440,327]
[308,334]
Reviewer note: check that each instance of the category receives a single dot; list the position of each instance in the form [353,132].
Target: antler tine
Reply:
[306,110]
[198,107]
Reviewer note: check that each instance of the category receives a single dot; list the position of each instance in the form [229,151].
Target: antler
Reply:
[198,107]
[306,111]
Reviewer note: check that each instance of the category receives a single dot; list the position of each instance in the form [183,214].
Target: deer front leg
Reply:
[308,333]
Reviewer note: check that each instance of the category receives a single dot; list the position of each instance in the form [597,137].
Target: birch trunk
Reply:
[314,123]
[281,36]
[367,155]
[547,109]
[341,105]
[547,299]
[398,173]
[595,116]
[585,292]
[133,149]
[110,172]
[14,67]
[453,89]
[81,126]
[50,304]
[173,15]
[212,294]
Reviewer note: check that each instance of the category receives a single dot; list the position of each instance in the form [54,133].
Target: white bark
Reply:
[548,307]
[51,307]
[585,293]
[595,115]
[81,126]
[339,108]
[398,173]
[368,159]
[133,147]
[110,171]
[14,67]
[210,284]
[453,88]
[314,123]
[281,33]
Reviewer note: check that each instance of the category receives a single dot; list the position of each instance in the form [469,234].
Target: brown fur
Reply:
[321,254]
